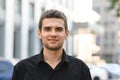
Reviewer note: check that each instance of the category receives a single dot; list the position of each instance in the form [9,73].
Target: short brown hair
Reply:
[53,14]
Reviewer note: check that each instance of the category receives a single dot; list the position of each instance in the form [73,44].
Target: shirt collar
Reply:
[40,58]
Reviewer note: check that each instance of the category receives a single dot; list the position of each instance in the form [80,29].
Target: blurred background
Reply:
[94,29]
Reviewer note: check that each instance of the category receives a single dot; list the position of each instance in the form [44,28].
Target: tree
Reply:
[115,4]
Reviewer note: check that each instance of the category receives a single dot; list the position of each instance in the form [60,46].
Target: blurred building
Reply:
[109,40]
[19,24]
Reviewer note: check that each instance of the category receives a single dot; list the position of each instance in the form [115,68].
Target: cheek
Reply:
[43,36]
[62,38]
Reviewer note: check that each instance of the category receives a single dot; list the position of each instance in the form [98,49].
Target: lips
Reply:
[53,40]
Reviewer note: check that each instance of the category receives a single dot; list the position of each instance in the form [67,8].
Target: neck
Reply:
[52,56]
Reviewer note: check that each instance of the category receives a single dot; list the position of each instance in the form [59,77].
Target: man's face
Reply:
[53,33]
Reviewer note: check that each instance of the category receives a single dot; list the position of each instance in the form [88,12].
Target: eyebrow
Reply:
[56,27]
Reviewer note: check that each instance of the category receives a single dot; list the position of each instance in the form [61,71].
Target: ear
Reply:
[67,34]
[39,34]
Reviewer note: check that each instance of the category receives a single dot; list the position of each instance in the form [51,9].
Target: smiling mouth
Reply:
[53,40]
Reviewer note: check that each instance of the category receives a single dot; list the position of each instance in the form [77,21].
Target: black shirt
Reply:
[34,68]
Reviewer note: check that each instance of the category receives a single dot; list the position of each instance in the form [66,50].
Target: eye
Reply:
[59,29]
[47,28]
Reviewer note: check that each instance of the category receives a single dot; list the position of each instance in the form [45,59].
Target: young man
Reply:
[52,63]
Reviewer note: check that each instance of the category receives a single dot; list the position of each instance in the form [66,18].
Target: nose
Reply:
[53,33]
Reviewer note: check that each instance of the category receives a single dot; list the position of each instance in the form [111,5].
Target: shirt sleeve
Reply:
[19,71]
[85,73]
[14,75]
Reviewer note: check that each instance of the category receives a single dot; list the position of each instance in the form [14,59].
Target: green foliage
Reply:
[113,3]
[112,6]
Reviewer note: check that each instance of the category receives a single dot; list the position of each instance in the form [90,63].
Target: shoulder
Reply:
[26,62]
[24,67]
[74,59]
[79,66]
[77,62]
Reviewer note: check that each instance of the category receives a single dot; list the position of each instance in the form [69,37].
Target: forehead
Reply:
[53,22]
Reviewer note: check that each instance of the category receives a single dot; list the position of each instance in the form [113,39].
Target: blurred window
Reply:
[18,6]
[31,42]
[31,13]
[2,4]
[17,42]
[107,57]
[106,23]
[97,9]
[106,35]
[98,40]
[112,45]
[113,35]
[2,40]
[105,46]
